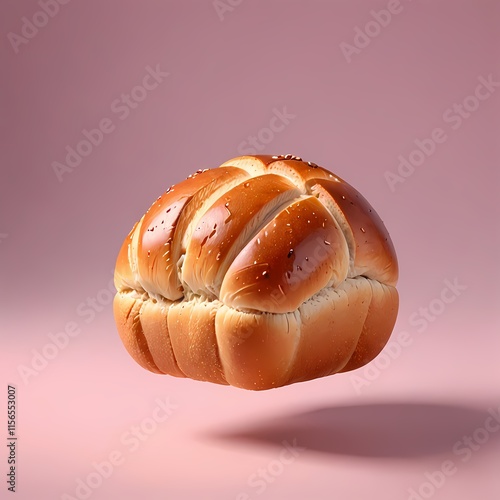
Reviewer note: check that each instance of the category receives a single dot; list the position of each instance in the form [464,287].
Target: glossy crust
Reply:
[263,272]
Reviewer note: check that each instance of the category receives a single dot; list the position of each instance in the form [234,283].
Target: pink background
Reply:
[225,78]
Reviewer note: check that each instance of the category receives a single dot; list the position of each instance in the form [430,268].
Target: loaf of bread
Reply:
[265,271]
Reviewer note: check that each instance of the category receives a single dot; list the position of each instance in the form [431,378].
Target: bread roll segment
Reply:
[266,271]
[226,227]
[288,262]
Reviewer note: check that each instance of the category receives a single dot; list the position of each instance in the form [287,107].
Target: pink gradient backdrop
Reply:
[225,79]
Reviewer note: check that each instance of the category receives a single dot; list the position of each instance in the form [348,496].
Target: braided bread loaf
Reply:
[260,273]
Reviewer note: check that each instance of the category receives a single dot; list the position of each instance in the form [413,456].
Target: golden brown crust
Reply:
[371,248]
[192,327]
[377,328]
[297,254]
[127,312]
[227,225]
[156,254]
[264,272]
